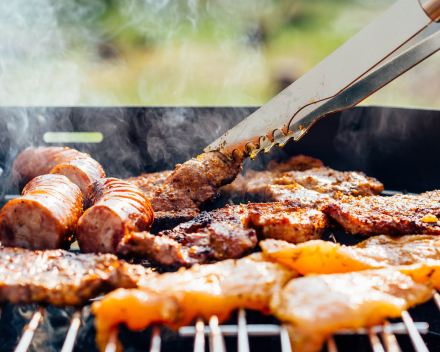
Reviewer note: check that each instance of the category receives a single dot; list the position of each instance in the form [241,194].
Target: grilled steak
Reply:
[44,217]
[116,209]
[178,194]
[396,215]
[302,180]
[322,257]
[225,233]
[318,306]
[176,299]
[62,278]
[78,167]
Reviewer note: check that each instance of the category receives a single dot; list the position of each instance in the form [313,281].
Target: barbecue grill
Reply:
[396,145]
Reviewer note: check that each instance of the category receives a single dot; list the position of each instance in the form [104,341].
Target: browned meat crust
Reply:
[177,195]
[44,217]
[396,215]
[62,278]
[116,209]
[295,163]
[310,187]
[78,167]
[226,233]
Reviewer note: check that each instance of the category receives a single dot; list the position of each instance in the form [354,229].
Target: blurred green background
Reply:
[192,52]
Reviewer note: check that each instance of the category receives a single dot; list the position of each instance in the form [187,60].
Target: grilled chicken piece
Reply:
[309,183]
[78,167]
[116,209]
[396,215]
[318,306]
[321,257]
[226,233]
[178,194]
[44,217]
[62,278]
[176,299]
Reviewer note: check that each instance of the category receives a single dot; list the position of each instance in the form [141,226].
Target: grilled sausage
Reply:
[117,208]
[44,217]
[78,167]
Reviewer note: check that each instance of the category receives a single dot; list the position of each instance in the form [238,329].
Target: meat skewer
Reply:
[116,208]
[78,167]
[62,278]
[44,217]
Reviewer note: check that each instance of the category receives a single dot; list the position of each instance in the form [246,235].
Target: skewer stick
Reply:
[112,342]
[243,339]
[285,340]
[29,331]
[216,339]
[69,342]
[331,345]
[389,339]
[155,339]
[199,341]
[416,339]
[375,342]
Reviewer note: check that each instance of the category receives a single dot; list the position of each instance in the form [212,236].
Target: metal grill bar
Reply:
[29,331]
[155,339]
[69,342]
[331,345]
[112,343]
[199,341]
[416,339]
[390,340]
[243,339]
[285,340]
[216,342]
[376,345]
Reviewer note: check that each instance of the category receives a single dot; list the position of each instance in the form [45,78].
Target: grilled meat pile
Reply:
[62,278]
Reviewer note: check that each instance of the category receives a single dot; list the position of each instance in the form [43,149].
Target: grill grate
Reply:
[242,330]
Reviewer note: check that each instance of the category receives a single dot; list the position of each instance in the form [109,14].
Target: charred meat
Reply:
[396,215]
[62,278]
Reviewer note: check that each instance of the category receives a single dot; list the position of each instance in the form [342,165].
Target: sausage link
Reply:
[44,217]
[78,167]
[116,209]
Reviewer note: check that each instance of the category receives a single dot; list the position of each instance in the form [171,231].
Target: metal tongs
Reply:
[403,36]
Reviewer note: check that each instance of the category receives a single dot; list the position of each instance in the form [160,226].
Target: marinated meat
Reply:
[302,180]
[62,278]
[318,306]
[176,299]
[225,233]
[321,257]
[78,167]
[44,217]
[177,195]
[396,215]
[116,209]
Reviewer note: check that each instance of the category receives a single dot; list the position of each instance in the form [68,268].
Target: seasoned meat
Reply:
[62,278]
[116,209]
[227,233]
[294,163]
[310,187]
[78,167]
[218,241]
[176,299]
[178,194]
[44,217]
[318,306]
[321,257]
[396,215]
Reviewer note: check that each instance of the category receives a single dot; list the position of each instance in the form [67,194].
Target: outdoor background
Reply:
[189,52]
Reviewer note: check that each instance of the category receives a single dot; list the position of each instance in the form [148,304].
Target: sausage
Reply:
[116,209]
[44,217]
[78,167]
